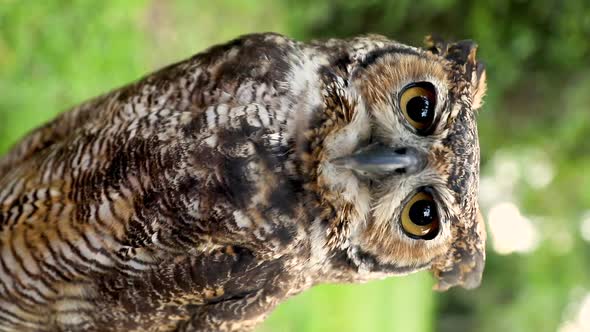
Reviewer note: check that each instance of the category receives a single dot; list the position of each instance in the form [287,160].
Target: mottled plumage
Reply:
[203,195]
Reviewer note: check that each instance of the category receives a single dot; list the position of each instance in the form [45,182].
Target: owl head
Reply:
[403,170]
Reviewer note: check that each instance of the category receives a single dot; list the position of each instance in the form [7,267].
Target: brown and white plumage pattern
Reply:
[201,196]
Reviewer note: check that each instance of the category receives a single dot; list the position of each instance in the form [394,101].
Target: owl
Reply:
[201,196]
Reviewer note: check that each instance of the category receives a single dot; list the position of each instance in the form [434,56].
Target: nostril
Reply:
[401,151]
[401,170]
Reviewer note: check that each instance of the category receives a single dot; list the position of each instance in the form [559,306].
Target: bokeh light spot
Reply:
[510,230]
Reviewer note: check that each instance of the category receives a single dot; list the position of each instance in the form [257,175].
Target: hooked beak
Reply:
[378,159]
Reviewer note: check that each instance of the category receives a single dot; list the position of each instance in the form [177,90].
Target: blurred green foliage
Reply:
[56,53]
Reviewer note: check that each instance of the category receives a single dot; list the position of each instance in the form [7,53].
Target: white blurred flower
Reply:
[490,192]
[499,181]
[581,321]
[501,178]
[510,230]
[585,226]
[506,169]
[539,170]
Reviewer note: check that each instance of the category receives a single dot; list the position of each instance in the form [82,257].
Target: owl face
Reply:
[411,154]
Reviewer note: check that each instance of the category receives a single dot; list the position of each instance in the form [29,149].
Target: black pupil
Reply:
[423,212]
[419,109]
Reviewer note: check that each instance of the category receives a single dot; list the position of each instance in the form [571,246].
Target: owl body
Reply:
[201,196]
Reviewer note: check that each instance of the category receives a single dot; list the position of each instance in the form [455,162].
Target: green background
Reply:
[534,129]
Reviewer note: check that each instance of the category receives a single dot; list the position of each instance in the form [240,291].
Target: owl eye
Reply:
[420,217]
[418,101]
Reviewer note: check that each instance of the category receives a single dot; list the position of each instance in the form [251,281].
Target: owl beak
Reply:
[379,160]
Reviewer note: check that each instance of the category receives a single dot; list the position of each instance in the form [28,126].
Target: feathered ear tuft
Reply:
[478,79]
[462,53]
